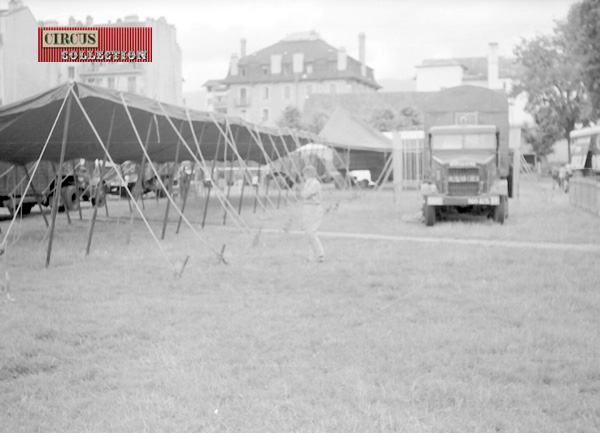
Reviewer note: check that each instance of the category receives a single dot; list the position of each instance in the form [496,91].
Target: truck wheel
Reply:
[429,214]
[500,211]
[71,197]
[100,201]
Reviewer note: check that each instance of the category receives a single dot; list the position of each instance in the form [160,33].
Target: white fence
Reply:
[585,193]
[408,158]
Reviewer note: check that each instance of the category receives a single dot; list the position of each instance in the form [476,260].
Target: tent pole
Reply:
[99,187]
[130,194]
[139,185]
[243,185]
[138,189]
[257,187]
[62,195]
[260,144]
[212,184]
[37,196]
[298,171]
[76,182]
[187,189]
[285,169]
[161,183]
[58,180]
[170,185]
[228,176]
[235,151]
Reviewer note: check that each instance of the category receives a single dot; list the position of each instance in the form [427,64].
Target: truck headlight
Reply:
[500,187]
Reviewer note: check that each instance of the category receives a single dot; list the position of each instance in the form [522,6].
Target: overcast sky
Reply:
[399,33]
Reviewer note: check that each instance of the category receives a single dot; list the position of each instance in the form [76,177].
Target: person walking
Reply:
[312,212]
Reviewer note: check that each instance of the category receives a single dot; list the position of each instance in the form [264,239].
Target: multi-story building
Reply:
[261,85]
[21,75]
[493,72]
[160,79]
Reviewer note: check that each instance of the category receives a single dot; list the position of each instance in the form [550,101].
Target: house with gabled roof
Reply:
[263,84]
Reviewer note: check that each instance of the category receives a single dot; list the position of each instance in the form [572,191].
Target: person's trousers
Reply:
[312,217]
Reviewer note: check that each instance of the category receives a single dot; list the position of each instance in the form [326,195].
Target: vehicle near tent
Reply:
[466,154]
[585,152]
[75,186]
[362,178]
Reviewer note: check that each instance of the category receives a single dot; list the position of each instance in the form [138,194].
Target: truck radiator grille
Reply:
[463,188]
[463,181]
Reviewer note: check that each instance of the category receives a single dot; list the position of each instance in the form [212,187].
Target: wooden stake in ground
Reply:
[58,181]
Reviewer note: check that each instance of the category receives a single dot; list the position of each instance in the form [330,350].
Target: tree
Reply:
[383,120]
[317,122]
[582,29]
[555,90]
[544,134]
[291,118]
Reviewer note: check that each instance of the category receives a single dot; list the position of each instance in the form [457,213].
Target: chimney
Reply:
[361,54]
[276,63]
[342,59]
[89,21]
[233,68]
[243,47]
[298,63]
[493,72]
[14,4]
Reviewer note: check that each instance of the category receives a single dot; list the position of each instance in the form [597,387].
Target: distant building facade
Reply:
[21,76]
[260,86]
[160,79]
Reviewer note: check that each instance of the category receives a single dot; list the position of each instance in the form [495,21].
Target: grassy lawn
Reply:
[382,337]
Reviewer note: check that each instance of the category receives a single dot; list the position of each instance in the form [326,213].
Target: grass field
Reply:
[382,337]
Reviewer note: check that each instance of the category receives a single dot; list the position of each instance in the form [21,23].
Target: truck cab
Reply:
[464,173]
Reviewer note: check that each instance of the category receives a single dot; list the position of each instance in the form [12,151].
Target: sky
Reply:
[399,33]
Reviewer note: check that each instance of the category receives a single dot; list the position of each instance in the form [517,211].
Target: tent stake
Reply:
[56,197]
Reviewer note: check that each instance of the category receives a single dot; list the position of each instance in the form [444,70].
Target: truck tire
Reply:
[70,196]
[500,211]
[429,214]
[100,201]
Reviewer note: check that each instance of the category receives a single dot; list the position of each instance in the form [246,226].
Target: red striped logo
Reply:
[94,44]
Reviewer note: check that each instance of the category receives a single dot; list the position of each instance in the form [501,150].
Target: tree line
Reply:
[560,73]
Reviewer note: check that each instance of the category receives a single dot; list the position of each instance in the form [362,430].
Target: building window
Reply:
[110,83]
[287,69]
[287,92]
[131,84]
[265,70]
[71,71]
[243,96]
[466,118]
[265,93]
[332,88]
[264,115]
[243,71]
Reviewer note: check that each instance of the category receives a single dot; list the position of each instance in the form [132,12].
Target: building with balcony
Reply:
[261,85]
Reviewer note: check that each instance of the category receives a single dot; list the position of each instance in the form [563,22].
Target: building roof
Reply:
[363,105]
[476,68]
[322,56]
[344,128]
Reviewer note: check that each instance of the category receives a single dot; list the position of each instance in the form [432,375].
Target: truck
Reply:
[466,154]
[14,180]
